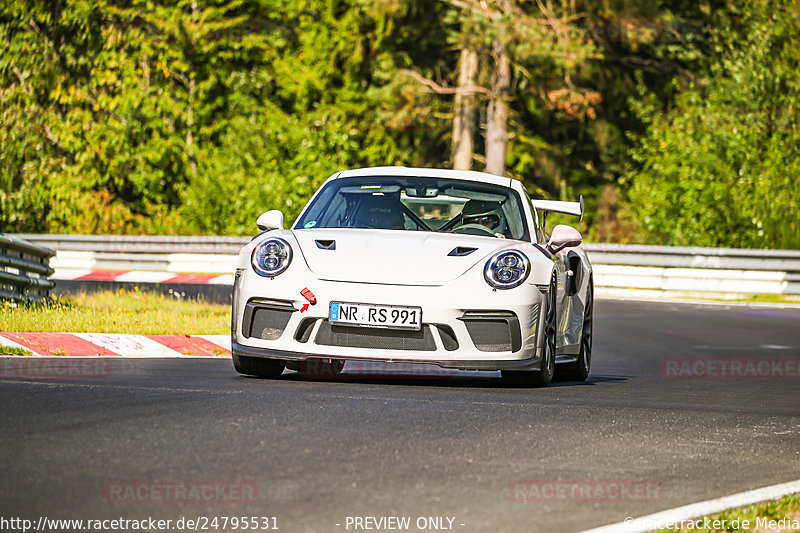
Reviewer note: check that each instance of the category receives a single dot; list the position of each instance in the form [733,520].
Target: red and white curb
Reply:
[118,344]
[139,276]
[167,346]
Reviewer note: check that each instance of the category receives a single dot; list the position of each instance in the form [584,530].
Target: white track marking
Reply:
[70,273]
[6,342]
[696,510]
[129,345]
[220,340]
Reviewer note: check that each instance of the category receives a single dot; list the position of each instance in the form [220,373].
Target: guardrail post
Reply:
[24,269]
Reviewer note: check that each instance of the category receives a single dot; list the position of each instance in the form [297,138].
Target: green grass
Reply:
[13,350]
[755,298]
[118,312]
[786,507]
[773,298]
[761,298]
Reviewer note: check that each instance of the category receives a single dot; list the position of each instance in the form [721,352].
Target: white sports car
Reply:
[398,264]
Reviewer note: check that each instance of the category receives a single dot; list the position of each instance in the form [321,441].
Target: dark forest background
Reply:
[676,119]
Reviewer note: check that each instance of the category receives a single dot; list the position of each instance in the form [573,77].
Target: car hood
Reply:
[393,256]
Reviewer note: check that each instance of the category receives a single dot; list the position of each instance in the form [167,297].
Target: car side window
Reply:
[540,236]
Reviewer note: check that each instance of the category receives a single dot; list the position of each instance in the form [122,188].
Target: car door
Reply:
[561,267]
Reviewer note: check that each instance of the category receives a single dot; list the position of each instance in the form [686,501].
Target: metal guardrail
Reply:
[622,254]
[655,271]
[618,267]
[139,244]
[24,268]
[674,256]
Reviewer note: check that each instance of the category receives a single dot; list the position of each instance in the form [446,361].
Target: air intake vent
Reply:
[460,251]
[448,337]
[303,332]
[266,319]
[268,324]
[375,338]
[493,331]
[326,245]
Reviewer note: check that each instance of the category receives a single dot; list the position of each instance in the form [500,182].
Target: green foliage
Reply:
[323,108]
[721,167]
[134,117]
[130,116]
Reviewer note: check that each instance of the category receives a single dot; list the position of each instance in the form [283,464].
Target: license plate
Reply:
[377,316]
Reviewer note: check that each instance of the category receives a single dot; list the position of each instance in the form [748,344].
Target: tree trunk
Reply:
[497,113]
[464,108]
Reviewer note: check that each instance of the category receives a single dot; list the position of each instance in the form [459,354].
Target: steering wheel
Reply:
[474,229]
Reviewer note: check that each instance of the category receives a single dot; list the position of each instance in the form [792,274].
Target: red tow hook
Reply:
[308,295]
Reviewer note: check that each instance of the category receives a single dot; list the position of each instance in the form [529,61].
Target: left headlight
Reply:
[271,257]
[507,269]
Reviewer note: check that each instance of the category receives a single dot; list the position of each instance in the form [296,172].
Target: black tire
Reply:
[258,366]
[321,369]
[543,377]
[579,370]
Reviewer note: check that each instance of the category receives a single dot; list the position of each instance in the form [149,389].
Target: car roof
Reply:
[467,175]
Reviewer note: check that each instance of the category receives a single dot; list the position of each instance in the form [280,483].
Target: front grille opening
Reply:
[448,337]
[303,332]
[493,331]
[268,324]
[375,338]
[490,335]
[266,319]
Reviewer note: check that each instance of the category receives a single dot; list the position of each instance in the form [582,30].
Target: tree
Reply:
[721,167]
[131,117]
[464,111]
[509,42]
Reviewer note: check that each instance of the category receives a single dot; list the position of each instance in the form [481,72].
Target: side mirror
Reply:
[270,220]
[563,237]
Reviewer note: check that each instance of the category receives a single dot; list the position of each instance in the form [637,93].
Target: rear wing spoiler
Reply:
[566,208]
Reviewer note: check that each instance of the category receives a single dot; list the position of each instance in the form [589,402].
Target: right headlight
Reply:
[507,269]
[271,257]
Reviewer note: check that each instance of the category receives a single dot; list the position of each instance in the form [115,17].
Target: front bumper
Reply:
[450,314]
[490,364]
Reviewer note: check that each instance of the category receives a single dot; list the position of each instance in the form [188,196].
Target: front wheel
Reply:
[543,377]
[258,366]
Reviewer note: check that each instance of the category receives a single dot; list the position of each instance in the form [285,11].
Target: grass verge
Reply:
[771,298]
[121,311]
[755,518]
[13,350]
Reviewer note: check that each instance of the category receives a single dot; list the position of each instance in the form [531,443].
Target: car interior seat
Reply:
[380,211]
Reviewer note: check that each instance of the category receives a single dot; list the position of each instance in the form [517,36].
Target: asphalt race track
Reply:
[420,446]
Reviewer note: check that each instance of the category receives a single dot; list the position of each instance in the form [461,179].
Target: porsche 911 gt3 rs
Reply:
[446,267]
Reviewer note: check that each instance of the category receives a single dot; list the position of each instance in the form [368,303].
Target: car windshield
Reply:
[418,204]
